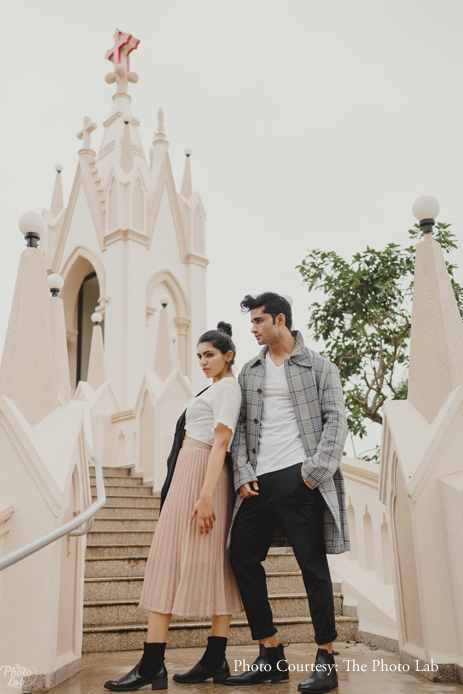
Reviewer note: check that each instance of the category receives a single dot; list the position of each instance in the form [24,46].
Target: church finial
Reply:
[57,199]
[124,44]
[187,189]
[86,131]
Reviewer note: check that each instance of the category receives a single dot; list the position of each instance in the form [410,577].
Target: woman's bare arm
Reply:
[204,508]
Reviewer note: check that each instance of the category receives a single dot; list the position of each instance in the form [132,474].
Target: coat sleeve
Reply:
[327,458]
[242,469]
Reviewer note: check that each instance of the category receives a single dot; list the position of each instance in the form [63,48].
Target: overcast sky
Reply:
[313,124]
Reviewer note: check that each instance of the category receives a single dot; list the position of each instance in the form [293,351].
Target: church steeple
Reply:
[117,139]
[131,224]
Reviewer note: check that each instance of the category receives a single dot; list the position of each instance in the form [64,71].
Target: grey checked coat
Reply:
[318,401]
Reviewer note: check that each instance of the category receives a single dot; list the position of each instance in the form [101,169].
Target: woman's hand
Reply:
[204,509]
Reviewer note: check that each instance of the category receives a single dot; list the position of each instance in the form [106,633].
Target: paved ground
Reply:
[99,667]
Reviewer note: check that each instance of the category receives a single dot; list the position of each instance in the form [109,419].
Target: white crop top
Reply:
[221,402]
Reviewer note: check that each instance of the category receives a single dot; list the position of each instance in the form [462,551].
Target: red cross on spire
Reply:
[124,44]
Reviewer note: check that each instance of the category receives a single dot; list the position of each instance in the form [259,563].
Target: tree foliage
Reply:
[365,319]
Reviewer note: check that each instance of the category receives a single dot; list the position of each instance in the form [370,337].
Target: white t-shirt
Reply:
[280,445]
[221,402]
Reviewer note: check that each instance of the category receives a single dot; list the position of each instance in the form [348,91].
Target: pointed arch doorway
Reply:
[87,301]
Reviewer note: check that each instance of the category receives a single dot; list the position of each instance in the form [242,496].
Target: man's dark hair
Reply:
[272,303]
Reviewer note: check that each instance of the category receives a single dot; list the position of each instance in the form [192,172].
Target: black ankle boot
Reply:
[149,670]
[212,664]
[324,677]
[270,664]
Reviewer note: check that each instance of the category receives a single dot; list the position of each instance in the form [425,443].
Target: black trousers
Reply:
[284,499]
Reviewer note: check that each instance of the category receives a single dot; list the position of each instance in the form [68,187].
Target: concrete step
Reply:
[136,523]
[108,567]
[123,537]
[279,559]
[285,582]
[124,490]
[113,471]
[119,550]
[133,566]
[118,481]
[129,637]
[126,610]
[131,501]
[113,588]
[119,512]
[115,560]
[129,587]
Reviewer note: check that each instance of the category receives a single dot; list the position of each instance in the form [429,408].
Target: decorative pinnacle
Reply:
[160,135]
[187,189]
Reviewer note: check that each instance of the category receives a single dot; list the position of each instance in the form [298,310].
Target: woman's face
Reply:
[212,361]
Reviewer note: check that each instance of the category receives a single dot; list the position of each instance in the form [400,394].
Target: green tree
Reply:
[365,319]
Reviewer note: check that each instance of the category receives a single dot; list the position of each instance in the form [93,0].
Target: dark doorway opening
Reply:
[86,303]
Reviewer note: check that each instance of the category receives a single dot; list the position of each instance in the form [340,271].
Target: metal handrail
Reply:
[68,528]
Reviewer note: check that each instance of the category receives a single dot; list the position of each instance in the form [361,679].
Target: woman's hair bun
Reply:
[224,328]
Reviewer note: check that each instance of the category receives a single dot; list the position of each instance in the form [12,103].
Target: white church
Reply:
[130,251]
[99,362]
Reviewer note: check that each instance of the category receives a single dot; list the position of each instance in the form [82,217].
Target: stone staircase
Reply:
[117,549]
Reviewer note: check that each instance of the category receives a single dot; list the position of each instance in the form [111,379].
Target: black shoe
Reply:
[133,681]
[200,674]
[324,678]
[261,670]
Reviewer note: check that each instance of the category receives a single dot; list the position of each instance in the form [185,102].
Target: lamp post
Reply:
[425,209]
[96,318]
[55,284]
[32,226]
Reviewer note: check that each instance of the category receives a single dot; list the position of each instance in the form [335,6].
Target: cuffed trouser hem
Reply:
[324,639]
[256,635]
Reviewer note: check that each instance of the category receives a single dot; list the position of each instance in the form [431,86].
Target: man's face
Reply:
[263,327]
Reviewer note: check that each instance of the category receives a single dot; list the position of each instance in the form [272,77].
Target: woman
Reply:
[188,571]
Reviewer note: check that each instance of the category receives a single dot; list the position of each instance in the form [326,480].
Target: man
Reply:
[286,454]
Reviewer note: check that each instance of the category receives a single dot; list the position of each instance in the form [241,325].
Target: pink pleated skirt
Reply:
[189,574]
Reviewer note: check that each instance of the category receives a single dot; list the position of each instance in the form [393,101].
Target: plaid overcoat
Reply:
[318,401]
